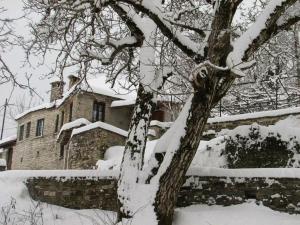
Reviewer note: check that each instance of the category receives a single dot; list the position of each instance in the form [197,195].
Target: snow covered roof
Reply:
[54,80]
[36,108]
[131,102]
[100,86]
[102,125]
[8,140]
[2,162]
[119,103]
[76,123]
[95,85]
[163,125]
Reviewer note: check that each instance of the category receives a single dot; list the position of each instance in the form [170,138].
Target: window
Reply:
[71,112]
[21,133]
[98,111]
[56,123]
[61,151]
[28,128]
[40,128]
[62,118]
[158,115]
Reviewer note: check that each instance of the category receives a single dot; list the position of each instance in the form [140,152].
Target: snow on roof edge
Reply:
[47,105]
[102,125]
[160,124]
[8,139]
[73,124]
[3,162]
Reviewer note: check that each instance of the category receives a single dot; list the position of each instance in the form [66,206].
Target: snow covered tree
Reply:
[128,36]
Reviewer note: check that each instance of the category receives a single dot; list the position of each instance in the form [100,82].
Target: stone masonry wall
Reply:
[119,117]
[266,121]
[75,193]
[281,194]
[37,152]
[218,126]
[86,148]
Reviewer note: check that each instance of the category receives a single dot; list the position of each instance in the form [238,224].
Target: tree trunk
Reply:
[173,178]
[134,149]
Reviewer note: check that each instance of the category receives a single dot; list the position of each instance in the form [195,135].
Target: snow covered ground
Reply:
[244,214]
[14,191]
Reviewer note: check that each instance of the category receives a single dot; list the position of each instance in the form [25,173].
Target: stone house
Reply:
[7,146]
[75,128]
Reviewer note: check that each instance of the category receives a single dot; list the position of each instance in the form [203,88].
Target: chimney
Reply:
[73,80]
[57,90]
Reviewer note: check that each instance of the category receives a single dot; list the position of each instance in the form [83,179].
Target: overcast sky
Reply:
[14,58]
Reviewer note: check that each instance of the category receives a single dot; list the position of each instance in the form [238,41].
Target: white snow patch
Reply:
[161,124]
[36,108]
[242,214]
[253,172]
[271,113]
[8,139]
[119,103]
[102,125]
[76,123]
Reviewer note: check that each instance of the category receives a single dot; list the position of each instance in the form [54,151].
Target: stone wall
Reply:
[281,194]
[266,121]
[214,126]
[75,193]
[86,148]
[119,116]
[37,152]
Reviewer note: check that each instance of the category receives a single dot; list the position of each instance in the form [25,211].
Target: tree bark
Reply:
[134,149]
[172,180]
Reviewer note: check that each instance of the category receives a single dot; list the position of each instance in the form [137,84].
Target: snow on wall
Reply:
[271,113]
[22,175]
[102,125]
[253,172]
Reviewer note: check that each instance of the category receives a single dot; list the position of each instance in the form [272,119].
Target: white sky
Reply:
[14,58]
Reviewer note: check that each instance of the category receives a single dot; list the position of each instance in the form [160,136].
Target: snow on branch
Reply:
[265,27]
[153,9]
[116,45]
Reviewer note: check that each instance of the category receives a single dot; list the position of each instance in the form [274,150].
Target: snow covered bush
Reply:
[258,146]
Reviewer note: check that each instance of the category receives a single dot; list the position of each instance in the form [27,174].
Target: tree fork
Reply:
[169,185]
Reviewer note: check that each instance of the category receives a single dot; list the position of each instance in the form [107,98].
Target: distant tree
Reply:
[130,37]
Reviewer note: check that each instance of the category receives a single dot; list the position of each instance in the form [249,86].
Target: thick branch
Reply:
[189,47]
[265,27]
